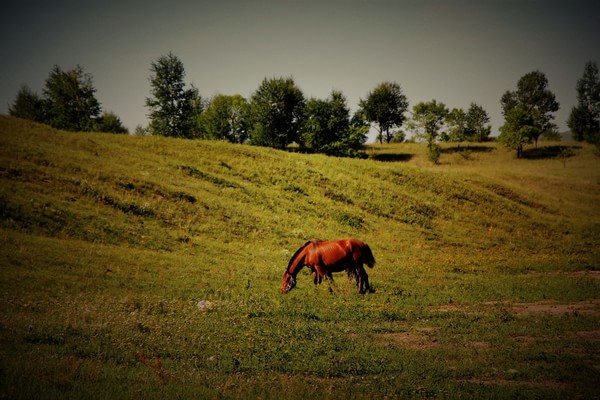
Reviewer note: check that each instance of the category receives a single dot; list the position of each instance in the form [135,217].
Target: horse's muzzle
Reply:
[288,285]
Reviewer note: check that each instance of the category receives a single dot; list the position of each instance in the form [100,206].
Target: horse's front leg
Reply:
[316,277]
[363,279]
[317,274]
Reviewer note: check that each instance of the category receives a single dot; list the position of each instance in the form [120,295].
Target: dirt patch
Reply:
[408,340]
[478,345]
[449,308]
[587,335]
[541,384]
[588,307]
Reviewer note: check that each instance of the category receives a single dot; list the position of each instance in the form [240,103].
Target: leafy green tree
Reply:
[584,119]
[173,108]
[385,106]
[109,122]
[226,118]
[456,120]
[28,105]
[70,101]
[427,121]
[534,98]
[478,128]
[326,121]
[519,129]
[276,113]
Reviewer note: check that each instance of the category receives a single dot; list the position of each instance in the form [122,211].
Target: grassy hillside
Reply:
[148,266]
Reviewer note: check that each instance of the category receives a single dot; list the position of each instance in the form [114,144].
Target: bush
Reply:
[435,151]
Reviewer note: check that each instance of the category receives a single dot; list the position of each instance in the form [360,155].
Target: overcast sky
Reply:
[456,52]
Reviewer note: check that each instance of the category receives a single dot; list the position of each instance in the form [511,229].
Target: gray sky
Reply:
[453,51]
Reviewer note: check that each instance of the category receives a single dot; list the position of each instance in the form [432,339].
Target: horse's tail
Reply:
[367,256]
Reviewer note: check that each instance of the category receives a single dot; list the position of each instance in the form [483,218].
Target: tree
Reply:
[456,120]
[385,106]
[28,105]
[477,119]
[534,98]
[173,108]
[277,113]
[110,123]
[326,121]
[519,129]
[584,120]
[427,120]
[70,102]
[226,118]
[328,128]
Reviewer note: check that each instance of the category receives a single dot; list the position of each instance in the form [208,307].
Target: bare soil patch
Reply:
[588,307]
[542,384]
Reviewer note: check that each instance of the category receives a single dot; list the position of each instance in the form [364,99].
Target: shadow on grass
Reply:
[472,149]
[392,157]
[545,152]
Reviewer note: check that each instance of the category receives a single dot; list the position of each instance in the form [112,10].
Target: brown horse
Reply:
[324,258]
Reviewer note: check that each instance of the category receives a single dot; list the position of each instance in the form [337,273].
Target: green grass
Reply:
[486,278]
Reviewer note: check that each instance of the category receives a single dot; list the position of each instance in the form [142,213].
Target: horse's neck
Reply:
[297,264]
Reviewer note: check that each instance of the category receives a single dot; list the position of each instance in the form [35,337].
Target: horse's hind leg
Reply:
[329,278]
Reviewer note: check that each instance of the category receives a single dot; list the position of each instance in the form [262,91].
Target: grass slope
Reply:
[148,266]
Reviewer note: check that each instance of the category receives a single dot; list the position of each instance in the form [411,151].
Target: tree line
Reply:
[277,114]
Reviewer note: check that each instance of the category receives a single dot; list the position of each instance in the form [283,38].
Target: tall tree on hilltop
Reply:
[277,113]
[534,98]
[173,108]
[385,106]
[584,119]
[70,101]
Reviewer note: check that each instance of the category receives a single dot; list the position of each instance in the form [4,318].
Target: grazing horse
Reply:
[324,258]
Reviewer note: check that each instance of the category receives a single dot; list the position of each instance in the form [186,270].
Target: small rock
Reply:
[205,305]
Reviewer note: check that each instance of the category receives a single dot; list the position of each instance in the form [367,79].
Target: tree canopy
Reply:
[70,101]
[28,105]
[518,130]
[277,113]
[534,98]
[173,108]
[427,120]
[226,118]
[328,128]
[584,119]
[385,107]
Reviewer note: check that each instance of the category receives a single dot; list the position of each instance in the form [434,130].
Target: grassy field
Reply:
[148,267]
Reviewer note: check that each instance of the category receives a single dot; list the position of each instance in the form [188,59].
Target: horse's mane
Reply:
[314,241]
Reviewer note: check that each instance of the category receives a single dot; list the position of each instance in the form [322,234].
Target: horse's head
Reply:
[289,282]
